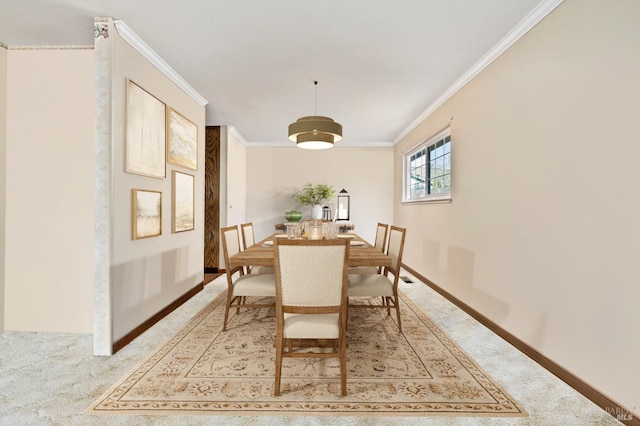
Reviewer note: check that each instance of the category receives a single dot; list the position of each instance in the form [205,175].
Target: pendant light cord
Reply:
[315,111]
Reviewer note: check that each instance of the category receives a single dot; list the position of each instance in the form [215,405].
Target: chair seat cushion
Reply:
[311,326]
[255,285]
[362,285]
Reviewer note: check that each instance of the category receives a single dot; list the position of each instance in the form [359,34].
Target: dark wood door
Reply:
[212,200]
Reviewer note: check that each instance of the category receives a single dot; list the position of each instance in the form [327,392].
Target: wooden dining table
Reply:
[361,253]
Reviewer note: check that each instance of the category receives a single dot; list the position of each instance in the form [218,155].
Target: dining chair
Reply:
[243,285]
[380,243]
[384,285]
[311,301]
[247,241]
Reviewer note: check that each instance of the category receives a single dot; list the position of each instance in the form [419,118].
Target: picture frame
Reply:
[146,213]
[182,145]
[183,207]
[145,139]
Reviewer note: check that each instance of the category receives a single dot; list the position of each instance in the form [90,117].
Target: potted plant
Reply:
[314,195]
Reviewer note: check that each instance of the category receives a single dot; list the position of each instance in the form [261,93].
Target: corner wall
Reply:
[49,190]
[3,177]
[542,234]
[148,274]
[233,181]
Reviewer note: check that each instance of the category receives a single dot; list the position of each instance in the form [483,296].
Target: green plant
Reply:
[314,194]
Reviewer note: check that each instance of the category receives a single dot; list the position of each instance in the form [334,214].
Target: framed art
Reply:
[182,213]
[182,147]
[146,213]
[145,133]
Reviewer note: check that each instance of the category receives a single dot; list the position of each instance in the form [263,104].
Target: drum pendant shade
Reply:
[315,131]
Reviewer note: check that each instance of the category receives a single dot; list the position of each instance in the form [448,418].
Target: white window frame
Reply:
[406,178]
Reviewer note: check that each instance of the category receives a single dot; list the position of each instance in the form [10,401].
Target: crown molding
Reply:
[528,22]
[237,135]
[137,43]
[45,47]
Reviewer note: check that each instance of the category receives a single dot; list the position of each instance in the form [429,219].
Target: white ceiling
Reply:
[379,64]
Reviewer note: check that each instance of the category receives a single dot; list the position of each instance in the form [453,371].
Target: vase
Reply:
[316,212]
[293,216]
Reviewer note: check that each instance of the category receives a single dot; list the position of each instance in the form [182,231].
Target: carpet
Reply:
[202,370]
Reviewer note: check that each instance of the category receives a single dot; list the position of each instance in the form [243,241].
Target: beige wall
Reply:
[236,179]
[233,181]
[149,274]
[51,166]
[542,233]
[3,165]
[274,174]
[49,190]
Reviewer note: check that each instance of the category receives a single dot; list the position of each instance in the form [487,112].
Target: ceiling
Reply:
[379,64]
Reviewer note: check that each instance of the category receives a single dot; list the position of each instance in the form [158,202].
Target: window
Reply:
[427,170]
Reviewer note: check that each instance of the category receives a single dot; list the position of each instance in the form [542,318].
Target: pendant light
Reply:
[315,131]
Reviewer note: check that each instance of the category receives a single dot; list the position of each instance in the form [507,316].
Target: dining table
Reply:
[361,253]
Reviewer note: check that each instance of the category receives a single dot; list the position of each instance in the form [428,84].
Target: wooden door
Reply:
[212,200]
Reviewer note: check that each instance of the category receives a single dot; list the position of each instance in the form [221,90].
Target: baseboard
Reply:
[613,408]
[128,338]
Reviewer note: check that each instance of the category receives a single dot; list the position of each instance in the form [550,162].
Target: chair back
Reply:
[311,274]
[395,249]
[230,246]
[381,236]
[247,235]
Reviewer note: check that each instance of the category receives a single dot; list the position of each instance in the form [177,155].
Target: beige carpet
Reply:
[204,371]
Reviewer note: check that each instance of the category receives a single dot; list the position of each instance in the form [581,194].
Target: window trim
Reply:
[431,198]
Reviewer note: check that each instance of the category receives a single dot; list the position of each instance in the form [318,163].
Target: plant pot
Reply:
[293,216]
[316,212]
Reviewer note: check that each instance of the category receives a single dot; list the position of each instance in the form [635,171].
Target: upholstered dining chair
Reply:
[311,301]
[248,240]
[381,244]
[384,285]
[243,285]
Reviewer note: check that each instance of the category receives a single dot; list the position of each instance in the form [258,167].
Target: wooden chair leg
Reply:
[276,387]
[240,302]
[343,365]
[226,314]
[397,306]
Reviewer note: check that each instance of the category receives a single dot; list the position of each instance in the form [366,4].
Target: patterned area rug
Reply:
[202,370]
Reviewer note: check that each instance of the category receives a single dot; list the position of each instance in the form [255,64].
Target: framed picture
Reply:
[146,213]
[182,212]
[145,133]
[182,148]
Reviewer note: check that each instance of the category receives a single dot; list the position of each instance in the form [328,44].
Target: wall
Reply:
[3,179]
[274,174]
[148,274]
[542,233]
[233,180]
[49,190]
[236,178]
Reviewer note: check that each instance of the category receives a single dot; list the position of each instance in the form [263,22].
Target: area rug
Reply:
[203,370]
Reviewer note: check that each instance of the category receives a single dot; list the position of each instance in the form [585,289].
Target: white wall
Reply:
[274,174]
[542,233]
[233,181]
[49,190]
[148,274]
[3,165]
[236,178]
